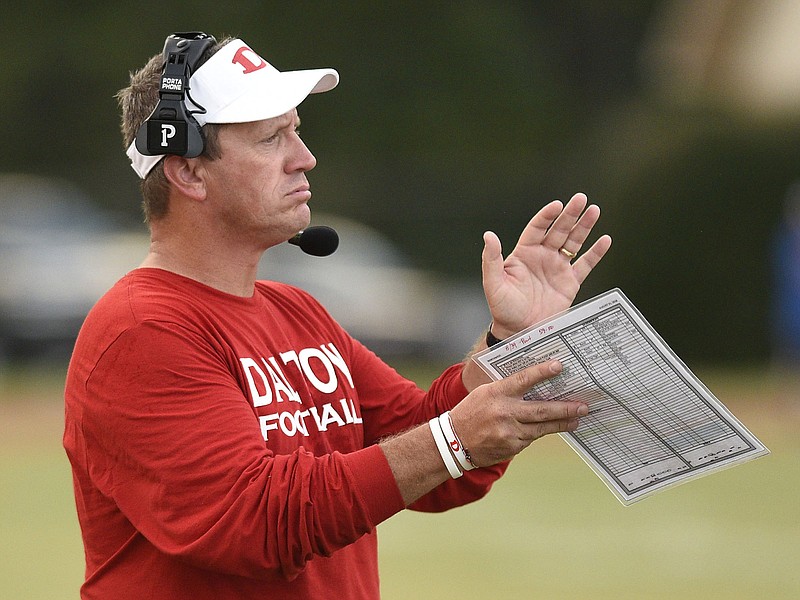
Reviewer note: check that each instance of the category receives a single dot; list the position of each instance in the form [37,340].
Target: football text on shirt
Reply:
[322,367]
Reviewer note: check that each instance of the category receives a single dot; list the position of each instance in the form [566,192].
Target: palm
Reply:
[538,283]
[537,280]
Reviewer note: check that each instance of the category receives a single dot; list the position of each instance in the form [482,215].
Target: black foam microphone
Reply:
[320,240]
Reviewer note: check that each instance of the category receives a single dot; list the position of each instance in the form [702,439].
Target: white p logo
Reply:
[167,132]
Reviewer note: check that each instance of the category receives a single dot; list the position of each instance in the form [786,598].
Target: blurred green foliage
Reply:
[452,118]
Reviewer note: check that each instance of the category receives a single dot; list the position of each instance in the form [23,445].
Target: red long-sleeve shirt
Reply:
[225,447]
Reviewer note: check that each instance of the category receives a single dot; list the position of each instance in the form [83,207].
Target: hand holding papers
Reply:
[652,423]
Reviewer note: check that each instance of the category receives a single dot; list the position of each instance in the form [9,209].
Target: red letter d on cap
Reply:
[249,66]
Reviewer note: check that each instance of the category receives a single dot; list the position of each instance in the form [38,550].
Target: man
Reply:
[228,439]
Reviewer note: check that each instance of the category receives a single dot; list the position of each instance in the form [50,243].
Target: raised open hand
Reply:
[544,272]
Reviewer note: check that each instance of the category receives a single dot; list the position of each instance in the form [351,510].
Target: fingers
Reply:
[561,228]
[558,226]
[551,226]
[539,418]
[588,261]
[571,234]
[530,432]
[566,225]
[545,416]
[495,423]
[541,411]
[516,384]
[537,228]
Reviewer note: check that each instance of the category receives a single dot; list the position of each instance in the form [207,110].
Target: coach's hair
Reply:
[136,102]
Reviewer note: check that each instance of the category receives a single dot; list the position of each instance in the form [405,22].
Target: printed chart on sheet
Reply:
[652,423]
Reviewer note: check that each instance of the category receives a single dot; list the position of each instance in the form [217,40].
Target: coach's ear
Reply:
[186,175]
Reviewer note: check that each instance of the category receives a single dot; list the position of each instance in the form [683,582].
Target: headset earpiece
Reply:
[170,128]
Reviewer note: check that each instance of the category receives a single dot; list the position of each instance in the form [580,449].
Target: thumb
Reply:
[491,262]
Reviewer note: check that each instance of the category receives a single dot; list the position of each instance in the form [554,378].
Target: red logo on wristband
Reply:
[455,446]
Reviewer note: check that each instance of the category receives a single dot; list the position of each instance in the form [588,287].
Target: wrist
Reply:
[443,447]
[492,338]
[415,462]
[454,454]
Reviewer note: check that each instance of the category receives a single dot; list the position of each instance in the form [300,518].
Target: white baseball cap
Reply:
[236,85]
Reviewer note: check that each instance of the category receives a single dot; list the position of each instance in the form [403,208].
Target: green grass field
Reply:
[548,529]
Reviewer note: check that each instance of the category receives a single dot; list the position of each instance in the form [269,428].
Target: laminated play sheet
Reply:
[652,423]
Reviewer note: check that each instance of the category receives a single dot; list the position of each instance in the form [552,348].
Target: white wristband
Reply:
[444,449]
[458,449]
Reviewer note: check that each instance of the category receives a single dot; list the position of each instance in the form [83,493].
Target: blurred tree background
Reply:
[456,117]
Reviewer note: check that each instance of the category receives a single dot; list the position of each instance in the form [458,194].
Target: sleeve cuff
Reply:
[376,484]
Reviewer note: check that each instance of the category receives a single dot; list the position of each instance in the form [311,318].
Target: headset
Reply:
[170,128]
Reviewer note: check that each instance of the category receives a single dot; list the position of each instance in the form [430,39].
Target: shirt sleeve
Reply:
[174,442]
[392,404]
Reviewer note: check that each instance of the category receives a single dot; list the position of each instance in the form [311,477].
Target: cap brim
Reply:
[273,95]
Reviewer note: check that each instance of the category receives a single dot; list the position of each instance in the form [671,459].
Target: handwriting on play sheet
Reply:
[652,423]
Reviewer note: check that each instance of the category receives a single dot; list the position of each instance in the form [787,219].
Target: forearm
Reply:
[435,491]
[493,421]
[415,462]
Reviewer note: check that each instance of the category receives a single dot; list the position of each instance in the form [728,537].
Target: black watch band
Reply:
[491,340]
